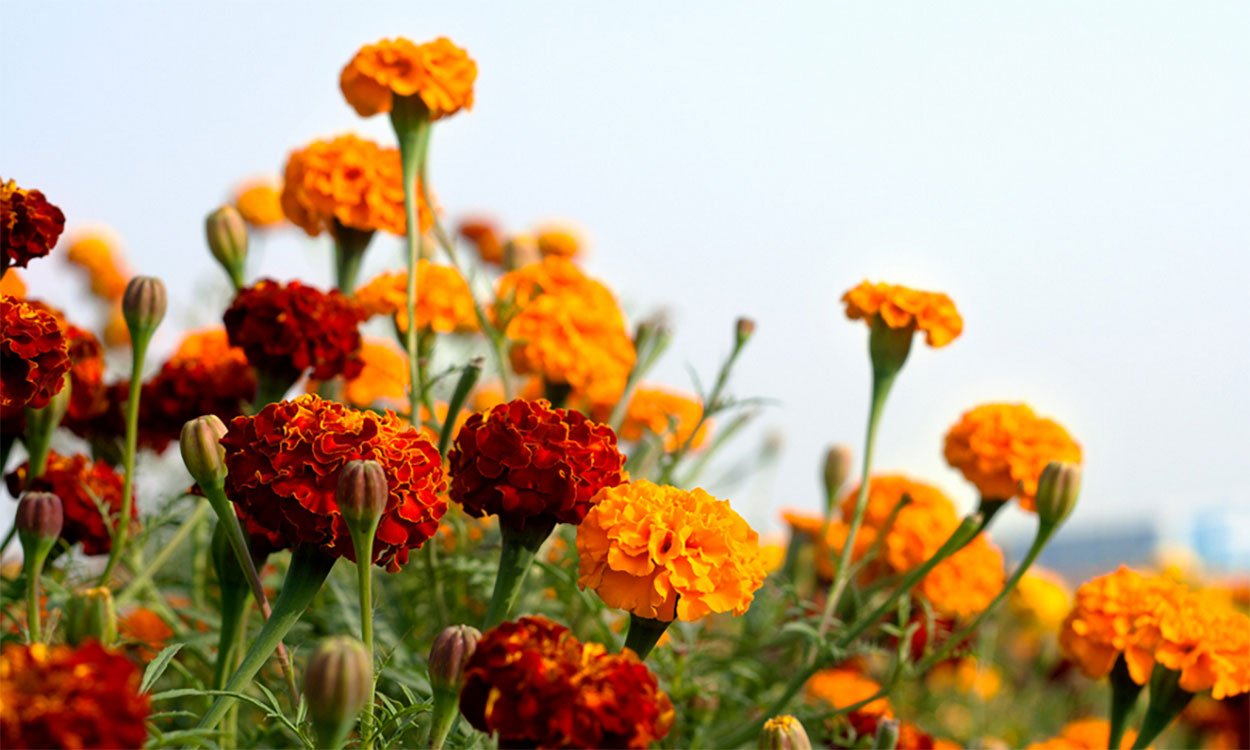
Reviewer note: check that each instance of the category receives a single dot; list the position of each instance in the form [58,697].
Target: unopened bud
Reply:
[40,516]
[784,733]
[744,329]
[143,305]
[887,735]
[837,469]
[1057,491]
[362,493]
[227,239]
[336,686]
[449,655]
[521,250]
[202,452]
[90,614]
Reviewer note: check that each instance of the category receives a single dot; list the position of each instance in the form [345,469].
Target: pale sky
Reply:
[1076,176]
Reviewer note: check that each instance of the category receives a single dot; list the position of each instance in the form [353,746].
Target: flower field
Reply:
[450,506]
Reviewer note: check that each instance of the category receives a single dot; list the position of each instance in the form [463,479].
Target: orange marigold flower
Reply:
[80,483]
[900,307]
[670,416]
[439,72]
[283,467]
[351,181]
[806,524]
[535,685]
[96,251]
[59,696]
[965,583]
[34,356]
[147,630]
[841,687]
[560,240]
[1085,734]
[383,379]
[31,224]
[551,275]
[444,300]
[1002,449]
[491,394]
[1042,597]
[531,464]
[966,675]
[260,203]
[486,237]
[285,329]
[11,285]
[1207,642]
[661,552]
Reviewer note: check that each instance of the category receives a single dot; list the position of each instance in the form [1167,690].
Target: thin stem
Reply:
[121,532]
[468,378]
[436,585]
[167,550]
[362,540]
[414,142]
[706,408]
[34,567]
[231,730]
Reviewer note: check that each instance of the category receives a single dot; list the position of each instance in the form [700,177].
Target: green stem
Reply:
[362,541]
[412,127]
[519,548]
[309,568]
[271,388]
[468,378]
[446,709]
[349,251]
[710,405]
[34,567]
[167,550]
[1124,692]
[121,532]
[557,393]
[1167,700]
[644,633]
[234,603]
[231,730]
[430,551]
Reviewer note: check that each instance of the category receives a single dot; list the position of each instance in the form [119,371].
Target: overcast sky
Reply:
[1076,176]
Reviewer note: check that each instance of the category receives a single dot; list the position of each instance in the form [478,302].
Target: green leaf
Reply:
[157,666]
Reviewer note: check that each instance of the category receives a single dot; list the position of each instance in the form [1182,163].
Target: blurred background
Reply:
[1076,177]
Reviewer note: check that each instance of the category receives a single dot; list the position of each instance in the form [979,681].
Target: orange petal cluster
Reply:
[259,202]
[665,414]
[901,307]
[34,356]
[661,552]
[444,300]
[96,251]
[351,181]
[1002,449]
[383,380]
[1042,597]
[439,72]
[560,240]
[11,285]
[80,483]
[31,225]
[1154,619]
[1085,734]
[59,696]
[535,685]
[486,236]
[283,468]
[529,463]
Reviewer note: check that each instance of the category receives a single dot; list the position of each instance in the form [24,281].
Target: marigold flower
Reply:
[1085,734]
[560,240]
[350,180]
[147,630]
[535,685]
[966,675]
[89,397]
[34,356]
[1105,619]
[283,466]
[259,202]
[901,307]
[31,224]
[285,329]
[841,687]
[1002,449]
[80,483]
[531,464]
[670,416]
[11,285]
[552,275]
[444,300]
[965,583]
[486,237]
[1043,597]
[96,251]
[663,553]
[383,379]
[58,696]
[439,72]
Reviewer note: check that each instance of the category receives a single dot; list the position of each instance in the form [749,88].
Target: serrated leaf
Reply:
[157,666]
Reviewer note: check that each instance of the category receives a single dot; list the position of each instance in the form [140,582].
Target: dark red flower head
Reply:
[29,224]
[88,396]
[287,329]
[527,462]
[79,483]
[34,356]
[61,696]
[283,467]
[535,685]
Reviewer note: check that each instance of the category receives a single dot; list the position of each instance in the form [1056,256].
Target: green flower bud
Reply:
[887,735]
[837,469]
[40,516]
[143,305]
[744,329]
[336,686]
[362,493]
[784,733]
[1057,491]
[90,614]
[227,239]
[202,452]
[449,655]
[888,347]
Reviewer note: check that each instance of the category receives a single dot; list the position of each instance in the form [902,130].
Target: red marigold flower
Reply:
[59,696]
[31,224]
[80,483]
[535,685]
[285,329]
[529,463]
[283,467]
[33,356]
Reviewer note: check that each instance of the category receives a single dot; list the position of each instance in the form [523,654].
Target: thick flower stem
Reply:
[1124,692]
[233,609]
[412,124]
[468,379]
[446,709]
[271,388]
[362,541]
[309,568]
[349,251]
[644,633]
[1167,700]
[34,567]
[139,349]
[519,548]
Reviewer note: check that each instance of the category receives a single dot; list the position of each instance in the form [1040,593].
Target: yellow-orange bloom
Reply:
[96,252]
[966,675]
[11,285]
[1085,734]
[551,275]
[965,583]
[383,381]
[439,72]
[486,237]
[260,203]
[663,553]
[1042,597]
[671,416]
[348,180]
[901,307]
[444,300]
[841,687]
[559,240]
[1002,449]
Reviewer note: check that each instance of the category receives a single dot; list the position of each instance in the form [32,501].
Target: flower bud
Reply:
[743,330]
[362,493]
[202,452]
[90,614]
[784,733]
[143,305]
[887,735]
[449,655]
[1057,490]
[336,686]
[521,250]
[227,239]
[837,468]
[40,516]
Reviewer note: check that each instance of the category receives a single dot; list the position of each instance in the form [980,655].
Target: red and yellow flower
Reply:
[34,356]
[80,483]
[31,224]
[439,72]
[901,307]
